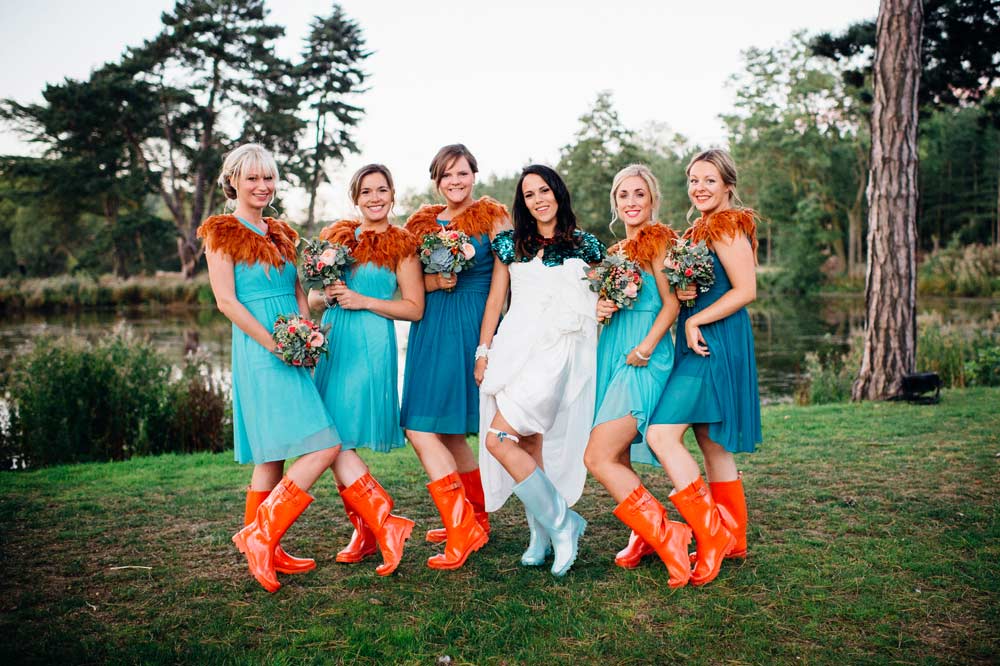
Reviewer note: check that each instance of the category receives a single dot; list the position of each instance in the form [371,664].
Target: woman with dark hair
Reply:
[277,412]
[440,397]
[358,379]
[713,384]
[537,374]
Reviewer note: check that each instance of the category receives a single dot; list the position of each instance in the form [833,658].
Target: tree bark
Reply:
[890,280]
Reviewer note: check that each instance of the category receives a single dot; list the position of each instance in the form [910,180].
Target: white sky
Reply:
[508,79]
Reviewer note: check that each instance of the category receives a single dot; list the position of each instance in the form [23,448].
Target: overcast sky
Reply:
[508,79]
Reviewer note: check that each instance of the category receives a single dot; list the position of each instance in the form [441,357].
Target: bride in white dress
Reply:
[537,375]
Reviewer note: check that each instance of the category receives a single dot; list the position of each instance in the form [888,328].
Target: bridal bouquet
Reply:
[300,341]
[617,279]
[688,264]
[323,263]
[446,252]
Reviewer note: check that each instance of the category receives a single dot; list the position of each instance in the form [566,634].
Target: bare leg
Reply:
[519,459]
[303,471]
[348,468]
[667,442]
[266,475]
[434,455]
[604,457]
[720,465]
[461,452]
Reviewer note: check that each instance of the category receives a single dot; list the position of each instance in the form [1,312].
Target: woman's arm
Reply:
[664,319]
[302,300]
[737,259]
[223,281]
[410,305]
[499,284]
[434,281]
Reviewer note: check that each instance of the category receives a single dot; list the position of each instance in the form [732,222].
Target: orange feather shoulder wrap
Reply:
[479,218]
[226,234]
[725,224]
[386,248]
[652,241]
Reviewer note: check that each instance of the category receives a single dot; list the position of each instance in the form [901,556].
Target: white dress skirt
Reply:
[541,375]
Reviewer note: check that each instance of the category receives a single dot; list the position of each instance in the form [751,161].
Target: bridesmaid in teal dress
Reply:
[277,412]
[440,396]
[713,386]
[634,357]
[358,379]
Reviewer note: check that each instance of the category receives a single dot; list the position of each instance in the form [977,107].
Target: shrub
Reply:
[70,401]
[970,270]
[829,376]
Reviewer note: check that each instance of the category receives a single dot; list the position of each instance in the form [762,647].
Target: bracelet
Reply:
[639,354]
[481,352]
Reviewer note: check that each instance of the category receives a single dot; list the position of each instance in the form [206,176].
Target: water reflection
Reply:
[785,329]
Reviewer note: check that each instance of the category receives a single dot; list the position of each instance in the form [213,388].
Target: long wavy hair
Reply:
[526,239]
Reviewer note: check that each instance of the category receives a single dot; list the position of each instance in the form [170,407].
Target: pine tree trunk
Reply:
[890,281]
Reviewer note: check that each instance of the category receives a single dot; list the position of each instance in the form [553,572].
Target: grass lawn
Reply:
[874,539]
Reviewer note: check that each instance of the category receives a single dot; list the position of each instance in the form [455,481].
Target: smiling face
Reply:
[539,199]
[254,187]
[374,198]
[457,181]
[634,202]
[706,189]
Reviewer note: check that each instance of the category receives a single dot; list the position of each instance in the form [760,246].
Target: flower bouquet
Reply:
[446,252]
[617,279]
[323,263]
[688,264]
[300,341]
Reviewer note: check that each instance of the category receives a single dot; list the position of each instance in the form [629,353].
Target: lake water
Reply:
[785,329]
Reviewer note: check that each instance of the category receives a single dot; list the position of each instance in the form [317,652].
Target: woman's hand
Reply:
[694,338]
[639,357]
[688,294]
[480,370]
[446,282]
[347,299]
[605,308]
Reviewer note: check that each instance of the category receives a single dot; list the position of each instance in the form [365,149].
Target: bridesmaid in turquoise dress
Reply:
[277,412]
[634,357]
[440,396]
[713,386]
[358,379]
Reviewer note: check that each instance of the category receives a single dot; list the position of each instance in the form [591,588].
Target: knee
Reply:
[593,459]
[494,445]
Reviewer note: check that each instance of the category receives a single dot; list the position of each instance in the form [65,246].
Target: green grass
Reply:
[874,539]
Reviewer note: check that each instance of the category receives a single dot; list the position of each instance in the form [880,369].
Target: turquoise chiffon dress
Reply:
[623,389]
[719,389]
[439,388]
[277,412]
[358,378]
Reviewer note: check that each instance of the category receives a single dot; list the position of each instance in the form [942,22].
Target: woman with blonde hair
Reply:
[713,385]
[634,357]
[358,379]
[440,397]
[277,412]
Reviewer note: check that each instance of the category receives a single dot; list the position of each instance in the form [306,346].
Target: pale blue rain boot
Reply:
[539,545]
[563,525]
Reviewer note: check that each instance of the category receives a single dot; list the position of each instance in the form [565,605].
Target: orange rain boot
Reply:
[275,515]
[473,484]
[465,534]
[631,555]
[732,503]
[283,562]
[669,539]
[370,501]
[362,543]
[715,541]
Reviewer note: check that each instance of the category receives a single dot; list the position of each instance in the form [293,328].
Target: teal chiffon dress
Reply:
[622,389]
[440,394]
[277,412]
[358,378]
[720,389]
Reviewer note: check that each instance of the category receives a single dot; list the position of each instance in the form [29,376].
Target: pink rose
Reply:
[468,250]
[316,339]
[453,235]
[631,290]
[320,265]
[688,272]
[291,329]
[296,362]
[328,256]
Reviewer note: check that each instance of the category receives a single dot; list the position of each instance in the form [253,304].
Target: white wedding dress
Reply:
[541,374]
